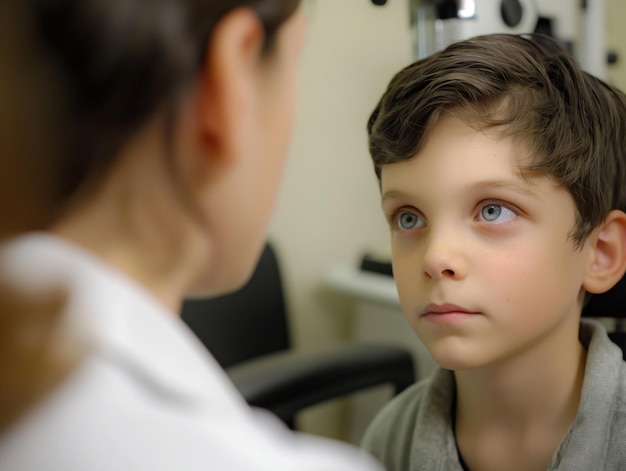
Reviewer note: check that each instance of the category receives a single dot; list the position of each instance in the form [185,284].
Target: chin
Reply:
[455,364]
[454,354]
[222,282]
[211,287]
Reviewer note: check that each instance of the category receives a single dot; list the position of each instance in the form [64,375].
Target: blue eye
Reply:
[408,221]
[496,213]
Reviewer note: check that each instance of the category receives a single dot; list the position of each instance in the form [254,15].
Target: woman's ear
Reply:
[608,262]
[227,88]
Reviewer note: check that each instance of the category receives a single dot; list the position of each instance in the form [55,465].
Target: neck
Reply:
[540,388]
[514,414]
[139,227]
[138,256]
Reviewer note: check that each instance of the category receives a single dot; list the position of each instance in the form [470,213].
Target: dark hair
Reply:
[29,114]
[528,87]
[121,61]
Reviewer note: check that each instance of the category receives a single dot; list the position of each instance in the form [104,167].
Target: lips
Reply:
[445,309]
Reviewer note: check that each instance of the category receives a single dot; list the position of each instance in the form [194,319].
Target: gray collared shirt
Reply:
[414,431]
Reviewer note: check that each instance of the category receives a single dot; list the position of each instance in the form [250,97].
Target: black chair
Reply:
[611,304]
[248,333]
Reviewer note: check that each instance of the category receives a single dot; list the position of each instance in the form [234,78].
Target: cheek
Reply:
[278,109]
[276,130]
[284,120]
[531,280]
[408,278]
[514,268]
[233,266]
[510,269]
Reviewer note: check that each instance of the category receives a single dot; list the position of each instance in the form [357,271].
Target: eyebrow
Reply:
[393,195]
[497,184]
[525,189]
[480,185]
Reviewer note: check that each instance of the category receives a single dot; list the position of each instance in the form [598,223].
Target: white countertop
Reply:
[362,284]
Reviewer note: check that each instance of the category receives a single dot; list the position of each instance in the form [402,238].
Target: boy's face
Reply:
[481,256]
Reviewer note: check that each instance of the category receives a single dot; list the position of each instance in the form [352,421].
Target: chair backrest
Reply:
[246,324]
[611,304]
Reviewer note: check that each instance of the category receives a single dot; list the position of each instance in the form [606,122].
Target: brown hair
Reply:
[29,363]
[105,67]
[34,356]
[532,89]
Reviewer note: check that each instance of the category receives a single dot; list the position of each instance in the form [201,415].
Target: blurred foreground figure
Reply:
[144,141]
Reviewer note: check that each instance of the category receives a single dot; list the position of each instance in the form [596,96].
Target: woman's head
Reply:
[211,80]
[135,113]
[122,60]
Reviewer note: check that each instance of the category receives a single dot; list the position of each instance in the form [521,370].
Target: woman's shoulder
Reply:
[147,395]
[104,418]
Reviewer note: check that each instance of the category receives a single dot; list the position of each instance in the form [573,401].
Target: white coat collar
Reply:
[120,320]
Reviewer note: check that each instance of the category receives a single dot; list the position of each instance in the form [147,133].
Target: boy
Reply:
[503,178]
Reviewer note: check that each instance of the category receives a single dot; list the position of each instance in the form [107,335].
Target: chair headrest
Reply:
[609,304]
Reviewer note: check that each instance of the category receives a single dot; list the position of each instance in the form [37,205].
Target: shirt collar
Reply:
[600,390]
[118,319]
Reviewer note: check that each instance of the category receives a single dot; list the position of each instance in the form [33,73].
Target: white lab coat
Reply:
[147,395]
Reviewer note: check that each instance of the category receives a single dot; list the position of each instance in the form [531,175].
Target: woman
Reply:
[171,137]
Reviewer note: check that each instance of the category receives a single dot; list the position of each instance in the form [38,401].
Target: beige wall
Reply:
[616,41]
[328,210]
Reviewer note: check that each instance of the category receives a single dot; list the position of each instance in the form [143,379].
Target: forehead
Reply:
[456,154]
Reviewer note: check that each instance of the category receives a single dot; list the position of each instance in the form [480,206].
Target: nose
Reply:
[443,257]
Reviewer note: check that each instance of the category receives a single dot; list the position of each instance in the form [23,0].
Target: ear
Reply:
[227,84]
[608,262]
